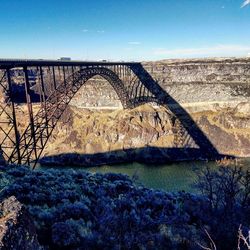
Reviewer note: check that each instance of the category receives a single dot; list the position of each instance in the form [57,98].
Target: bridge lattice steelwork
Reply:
[52,85]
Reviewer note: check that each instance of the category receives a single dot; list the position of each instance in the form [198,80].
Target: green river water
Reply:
[169,177]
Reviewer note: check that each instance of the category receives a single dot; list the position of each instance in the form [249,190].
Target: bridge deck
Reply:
[12,63]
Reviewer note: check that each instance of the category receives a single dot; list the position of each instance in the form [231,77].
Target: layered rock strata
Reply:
[187,81]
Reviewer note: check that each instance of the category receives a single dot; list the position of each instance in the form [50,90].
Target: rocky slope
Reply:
[147,133]
[17,229]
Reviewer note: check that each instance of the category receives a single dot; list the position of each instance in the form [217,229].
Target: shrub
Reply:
[228,192]
[76,209]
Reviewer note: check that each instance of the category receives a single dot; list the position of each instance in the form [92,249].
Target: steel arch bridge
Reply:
[52,85]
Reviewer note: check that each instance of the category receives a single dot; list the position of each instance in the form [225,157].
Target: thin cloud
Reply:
[134,43]
[205,51]
[246,2]
[100,31]
[128,49]
[85,30]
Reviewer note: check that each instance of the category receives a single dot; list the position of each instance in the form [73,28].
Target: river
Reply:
[168,177]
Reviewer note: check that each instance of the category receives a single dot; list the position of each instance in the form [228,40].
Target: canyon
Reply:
[96,130]
[215,93]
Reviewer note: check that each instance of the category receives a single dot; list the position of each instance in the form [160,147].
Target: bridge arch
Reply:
[141,88]
[36,135]
[112,78]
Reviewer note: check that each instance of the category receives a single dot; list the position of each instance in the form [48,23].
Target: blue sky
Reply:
[124,29]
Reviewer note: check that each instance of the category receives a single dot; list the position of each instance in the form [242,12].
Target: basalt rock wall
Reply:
[187,81]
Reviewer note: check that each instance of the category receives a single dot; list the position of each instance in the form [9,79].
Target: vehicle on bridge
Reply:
[65,59]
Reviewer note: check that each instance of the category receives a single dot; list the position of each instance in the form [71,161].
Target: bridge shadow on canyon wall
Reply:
[204,149]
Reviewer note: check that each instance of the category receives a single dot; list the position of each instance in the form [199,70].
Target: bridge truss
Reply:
[43,89]
[50,86]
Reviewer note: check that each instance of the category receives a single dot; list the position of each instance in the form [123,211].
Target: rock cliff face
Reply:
[112,133]
[146,134]
[187,81]
[17,230]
